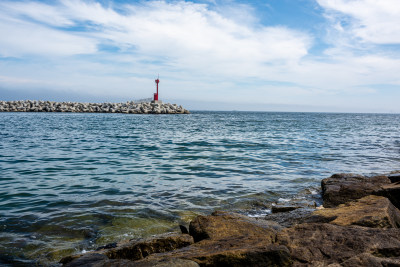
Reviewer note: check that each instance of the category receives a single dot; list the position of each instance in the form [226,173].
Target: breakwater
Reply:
[127,108]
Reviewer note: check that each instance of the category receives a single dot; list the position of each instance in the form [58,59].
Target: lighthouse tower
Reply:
[156,94]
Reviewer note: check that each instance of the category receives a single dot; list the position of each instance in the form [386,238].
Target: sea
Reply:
[71,182]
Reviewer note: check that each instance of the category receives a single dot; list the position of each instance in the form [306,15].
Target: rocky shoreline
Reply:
[358,225]
[127,108]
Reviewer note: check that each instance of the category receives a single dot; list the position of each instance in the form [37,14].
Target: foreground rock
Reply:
[369,211]
[341,188]
[359,226]
[321,244]
[227,239]
[224,226]
[100,260]
[133,249]
[127,108]
[392,192]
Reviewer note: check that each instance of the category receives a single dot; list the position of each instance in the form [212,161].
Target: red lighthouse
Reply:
[156,94]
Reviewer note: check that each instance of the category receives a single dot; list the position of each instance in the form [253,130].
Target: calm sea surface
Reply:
[72,182]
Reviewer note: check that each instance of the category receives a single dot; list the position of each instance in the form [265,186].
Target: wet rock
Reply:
[290,218]
[277,209]
[232,252]
[166,263]
[111,245]
[102,262]
[227,239]
[369,211]
[246,255]
[341,188]
[224,225]
[86,260]
[135,250]
[148,263]
[321,244]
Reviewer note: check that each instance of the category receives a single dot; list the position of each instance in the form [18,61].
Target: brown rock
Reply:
[226,239]
[223,225]
[341,188]
[99,260]
[394,177]
[392,192]
[232,253]
[366,259]
[271,255]
[277,209]
[321,244]
[135,250]
[86,260]
[132,250]
[370,211]
[290,218]
[147,263]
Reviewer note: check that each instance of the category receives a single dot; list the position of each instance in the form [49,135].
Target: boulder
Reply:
[87,260]
[392,192]
[232,252]
[227,239]
[136,249]
[277,209]
[394,177]
[289,218]
[366,259]
[99,260]
[223,226]
[341,188]
[369,211]
[321,244]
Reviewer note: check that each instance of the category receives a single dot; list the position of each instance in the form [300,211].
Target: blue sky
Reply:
[278,55]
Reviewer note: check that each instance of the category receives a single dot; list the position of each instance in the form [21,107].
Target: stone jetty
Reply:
[127,108]
[358,225]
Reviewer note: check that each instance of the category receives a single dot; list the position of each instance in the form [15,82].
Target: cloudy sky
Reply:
[286,55]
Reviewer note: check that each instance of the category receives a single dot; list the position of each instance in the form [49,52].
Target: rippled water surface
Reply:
[72,182]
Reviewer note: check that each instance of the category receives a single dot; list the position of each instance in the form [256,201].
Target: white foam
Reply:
[260,214]
[313,192]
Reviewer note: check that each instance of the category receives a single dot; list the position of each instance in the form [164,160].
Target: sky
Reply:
[261,55]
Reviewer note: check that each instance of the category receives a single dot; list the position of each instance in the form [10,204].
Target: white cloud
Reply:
[36,11]
[21,37]
[189,35]
[202,51]
[370,20]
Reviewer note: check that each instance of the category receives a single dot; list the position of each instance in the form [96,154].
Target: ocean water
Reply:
[72,182]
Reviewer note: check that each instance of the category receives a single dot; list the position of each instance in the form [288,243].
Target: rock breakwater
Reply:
[127,108]
[358,227]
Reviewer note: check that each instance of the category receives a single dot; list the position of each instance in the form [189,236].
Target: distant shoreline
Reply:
[77,107]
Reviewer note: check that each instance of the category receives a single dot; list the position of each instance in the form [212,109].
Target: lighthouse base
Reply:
[156,101]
